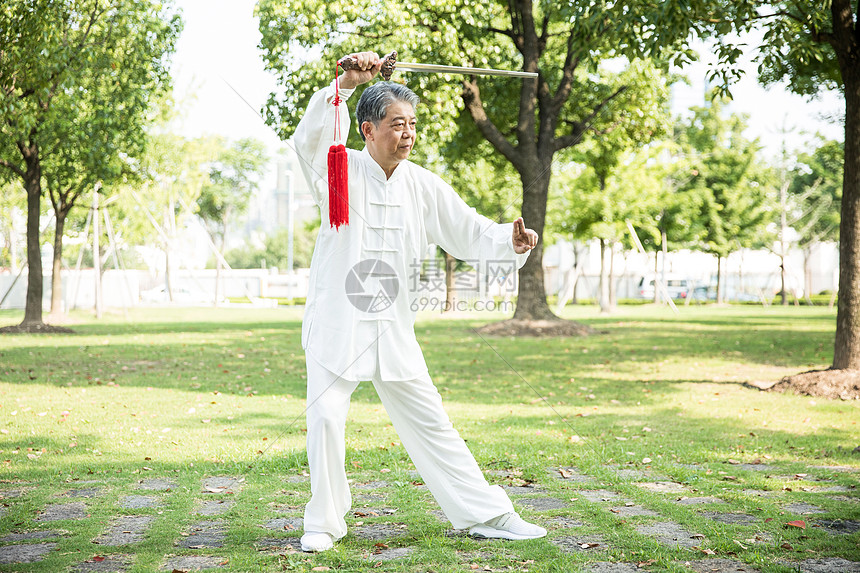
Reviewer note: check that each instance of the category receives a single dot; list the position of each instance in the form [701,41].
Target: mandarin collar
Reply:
[378,173]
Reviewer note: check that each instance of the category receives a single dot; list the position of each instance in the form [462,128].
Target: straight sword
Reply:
[389,63]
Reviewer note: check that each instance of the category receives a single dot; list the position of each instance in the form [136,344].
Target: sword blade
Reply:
[436,69]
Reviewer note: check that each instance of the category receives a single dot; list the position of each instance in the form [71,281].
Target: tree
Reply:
[815,190]
[812,46]
[725,168]
[173,172]
[234,175]
[531,123]
[95,57]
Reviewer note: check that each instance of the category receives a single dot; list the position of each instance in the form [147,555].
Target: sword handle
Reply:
[388,64]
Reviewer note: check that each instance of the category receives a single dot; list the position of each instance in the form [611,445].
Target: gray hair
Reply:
[374,101]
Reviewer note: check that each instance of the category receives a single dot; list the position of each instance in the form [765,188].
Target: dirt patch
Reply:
[833,384]
[36,328]
[536,328]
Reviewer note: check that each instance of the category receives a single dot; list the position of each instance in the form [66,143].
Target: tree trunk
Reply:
[531,297]
[33,185]
[807,273]
[613,295]
[57,266]
[603,284]
[218,274]
[656,276]
[847,341]
[719,279]
[450,264]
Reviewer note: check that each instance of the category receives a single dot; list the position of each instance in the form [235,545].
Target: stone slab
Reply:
[729,518]
[561,522]
[391,554]
[204,535]
[30,536]
[371,512]
[801,508]
[85,492]
[380,531]
[194,563]
[26,552]
[138,502]
[542,503]
[830,489]
[761,493]
[285,524]
[222,484]
[755,467]
[215,506]
[108,564]
[661,486]
[439,514]
[63,511]
[379,484]
[570,474]
[156,484]
[597,495]
[275,545]
[839,526]
[698,500]
[669,533]
[14,493]
[579,544]
[630,474]
[633,510]
[720,566]
[125,530]
[523,489]
[609,567]
[824,565]
[297,479]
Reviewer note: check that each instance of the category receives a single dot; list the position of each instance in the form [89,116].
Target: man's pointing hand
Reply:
[524,239]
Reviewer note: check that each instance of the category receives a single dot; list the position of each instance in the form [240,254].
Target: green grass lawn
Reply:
[185,394]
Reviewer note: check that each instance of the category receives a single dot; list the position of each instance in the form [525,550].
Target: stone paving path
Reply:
[375,524]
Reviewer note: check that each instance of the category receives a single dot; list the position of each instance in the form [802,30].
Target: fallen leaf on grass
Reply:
[705,551]
[787,546]
[798,523]
[98,558]
[589,545]
[321,568]
[641,564]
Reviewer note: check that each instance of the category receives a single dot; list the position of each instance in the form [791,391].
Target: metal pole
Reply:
[96,253]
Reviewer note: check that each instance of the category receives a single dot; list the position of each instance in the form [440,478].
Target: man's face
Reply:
[391,141]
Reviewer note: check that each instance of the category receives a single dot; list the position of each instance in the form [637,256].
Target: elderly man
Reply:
[356,327]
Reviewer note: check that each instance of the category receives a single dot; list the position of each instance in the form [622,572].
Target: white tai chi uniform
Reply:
[350,335]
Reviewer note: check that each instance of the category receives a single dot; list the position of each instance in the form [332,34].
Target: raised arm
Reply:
[315,132]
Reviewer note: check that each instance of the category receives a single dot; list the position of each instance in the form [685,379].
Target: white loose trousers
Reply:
[415,407]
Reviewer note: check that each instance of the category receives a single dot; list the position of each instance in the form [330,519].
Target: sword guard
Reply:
[388,64]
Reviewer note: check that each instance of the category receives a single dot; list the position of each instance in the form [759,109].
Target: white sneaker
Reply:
[507,526]
[313,542]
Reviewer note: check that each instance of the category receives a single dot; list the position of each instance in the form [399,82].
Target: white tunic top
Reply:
[360,315]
